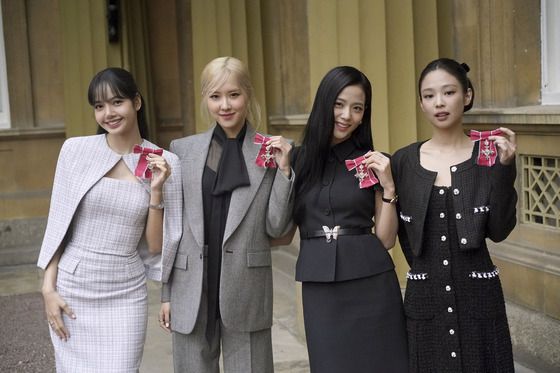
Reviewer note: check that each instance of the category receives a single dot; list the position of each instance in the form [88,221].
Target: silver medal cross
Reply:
[267,155]
[487,152]
[360,174]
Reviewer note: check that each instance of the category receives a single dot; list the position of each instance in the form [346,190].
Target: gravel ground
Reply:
[25,344]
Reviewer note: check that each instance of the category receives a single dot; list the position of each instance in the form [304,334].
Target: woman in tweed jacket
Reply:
[448,205]
[107,230]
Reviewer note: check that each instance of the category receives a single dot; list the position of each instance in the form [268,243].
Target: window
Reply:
[4,101]
[541,190]
[550,34]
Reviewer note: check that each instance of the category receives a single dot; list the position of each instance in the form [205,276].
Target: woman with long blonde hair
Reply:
[237,189]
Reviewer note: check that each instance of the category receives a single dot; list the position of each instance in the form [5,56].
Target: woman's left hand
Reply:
[160,170]
[381,165]
[506,148]
[281,154]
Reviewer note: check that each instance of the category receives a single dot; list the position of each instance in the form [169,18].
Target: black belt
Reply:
[334,233]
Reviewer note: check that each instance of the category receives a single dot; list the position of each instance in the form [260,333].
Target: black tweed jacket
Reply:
[484,199]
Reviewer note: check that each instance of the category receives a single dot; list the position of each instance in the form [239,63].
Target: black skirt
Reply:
[356,325]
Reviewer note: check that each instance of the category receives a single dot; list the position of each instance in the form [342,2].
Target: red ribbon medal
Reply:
[486,150]
[364,174]
[265,158]
[142,169]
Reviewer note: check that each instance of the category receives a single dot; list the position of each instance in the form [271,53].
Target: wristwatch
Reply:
[390,200]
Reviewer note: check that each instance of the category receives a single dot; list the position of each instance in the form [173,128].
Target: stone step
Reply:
[19,255]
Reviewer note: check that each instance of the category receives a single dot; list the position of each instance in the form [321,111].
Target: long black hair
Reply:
[458,70]
[318,132]
[122,85]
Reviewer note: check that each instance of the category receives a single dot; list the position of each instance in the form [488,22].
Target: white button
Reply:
[456,191]
[458,216]
[441,191]
[453,354]
[442,215]
[464,241]
[453,169]
[448,288]
[443,238]
[450,310]
[445,262]
[451,331]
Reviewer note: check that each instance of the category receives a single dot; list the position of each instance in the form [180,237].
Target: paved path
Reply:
[290,354]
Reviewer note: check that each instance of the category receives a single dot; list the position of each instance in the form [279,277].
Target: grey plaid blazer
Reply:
[81,163]
[256,212]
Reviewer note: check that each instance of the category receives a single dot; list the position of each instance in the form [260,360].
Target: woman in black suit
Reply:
[352,302]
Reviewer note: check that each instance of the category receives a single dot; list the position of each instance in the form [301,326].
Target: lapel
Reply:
[241,198]
[192,170]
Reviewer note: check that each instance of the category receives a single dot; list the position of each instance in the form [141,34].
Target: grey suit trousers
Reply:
[243,352]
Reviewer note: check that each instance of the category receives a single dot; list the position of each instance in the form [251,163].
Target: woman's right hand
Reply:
[164,316]
[54,305]
[381,164]
[282,151]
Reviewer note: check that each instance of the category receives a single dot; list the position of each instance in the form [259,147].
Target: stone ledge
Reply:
[21,232]
[525,120]
[29,133]
[25,194]
[20,241]
[547,261]
[532,110]
[288,120]
[19,256]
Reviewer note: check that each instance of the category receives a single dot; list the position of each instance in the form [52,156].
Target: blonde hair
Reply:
[214,76]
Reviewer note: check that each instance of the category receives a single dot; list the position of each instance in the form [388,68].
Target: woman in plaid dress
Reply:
[114,220]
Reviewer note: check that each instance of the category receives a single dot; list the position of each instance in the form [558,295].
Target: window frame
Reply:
[5,122]
[550,36]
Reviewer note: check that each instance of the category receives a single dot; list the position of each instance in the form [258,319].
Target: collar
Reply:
[343,150]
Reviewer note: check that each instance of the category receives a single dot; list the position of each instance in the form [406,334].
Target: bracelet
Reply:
[157,207]
[390,200]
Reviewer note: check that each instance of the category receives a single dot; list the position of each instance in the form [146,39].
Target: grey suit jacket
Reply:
[256,212]
[81,163]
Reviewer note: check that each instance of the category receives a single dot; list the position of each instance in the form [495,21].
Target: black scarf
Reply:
[218,184]
[232,171]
